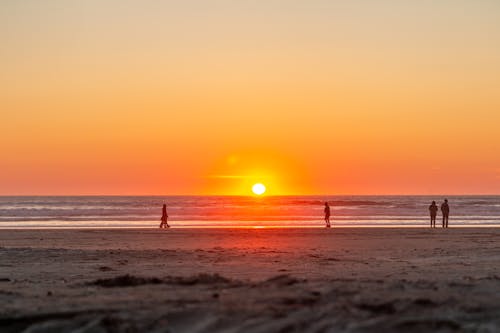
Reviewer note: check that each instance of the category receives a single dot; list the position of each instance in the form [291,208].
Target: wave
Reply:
[219,209]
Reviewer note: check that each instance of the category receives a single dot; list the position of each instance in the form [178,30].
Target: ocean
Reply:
[240,211]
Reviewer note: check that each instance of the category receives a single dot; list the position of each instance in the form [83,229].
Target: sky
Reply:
[125,97]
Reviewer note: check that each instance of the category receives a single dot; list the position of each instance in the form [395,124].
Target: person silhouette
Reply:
[327,215]
[445,209]
[164,217]
[433,208]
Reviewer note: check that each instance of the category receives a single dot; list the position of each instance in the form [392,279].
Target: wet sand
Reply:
[250,280]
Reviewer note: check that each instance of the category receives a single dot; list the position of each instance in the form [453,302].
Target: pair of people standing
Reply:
[445,210]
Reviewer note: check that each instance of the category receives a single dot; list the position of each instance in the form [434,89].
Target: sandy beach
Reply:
[250,280]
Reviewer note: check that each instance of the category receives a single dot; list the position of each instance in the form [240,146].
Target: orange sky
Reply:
[208,97]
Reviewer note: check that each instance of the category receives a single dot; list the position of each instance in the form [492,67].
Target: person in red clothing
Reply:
[164,217]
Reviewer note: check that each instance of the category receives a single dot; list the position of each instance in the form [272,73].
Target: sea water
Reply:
[240,211]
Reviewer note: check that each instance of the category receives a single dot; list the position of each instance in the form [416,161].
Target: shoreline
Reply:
[173,227]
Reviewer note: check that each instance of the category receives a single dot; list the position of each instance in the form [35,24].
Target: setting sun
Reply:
[258,189]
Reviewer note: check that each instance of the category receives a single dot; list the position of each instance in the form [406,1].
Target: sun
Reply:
[258,189]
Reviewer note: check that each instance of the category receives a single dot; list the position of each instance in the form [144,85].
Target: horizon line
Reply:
[242,195]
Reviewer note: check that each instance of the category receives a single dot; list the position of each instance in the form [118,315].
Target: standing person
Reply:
[327,215]
[445,209]
[433,209]
[164,217]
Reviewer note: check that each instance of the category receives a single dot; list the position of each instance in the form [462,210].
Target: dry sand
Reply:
[250,280]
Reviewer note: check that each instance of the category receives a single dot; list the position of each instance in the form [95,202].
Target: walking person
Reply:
[327,215]
[433,209]
[445,210]
[164,217]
